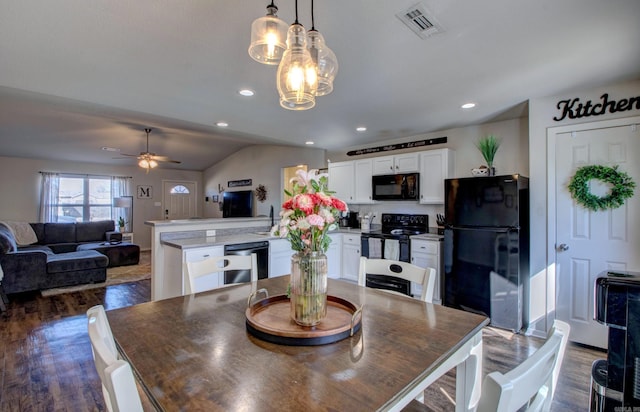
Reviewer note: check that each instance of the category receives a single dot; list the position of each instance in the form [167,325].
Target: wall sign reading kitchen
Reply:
[575,109]
[398,146]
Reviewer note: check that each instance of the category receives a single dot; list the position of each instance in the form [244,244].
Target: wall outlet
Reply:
[211,233]
[157,204]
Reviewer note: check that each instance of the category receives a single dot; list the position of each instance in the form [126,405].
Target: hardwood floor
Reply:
[46,362]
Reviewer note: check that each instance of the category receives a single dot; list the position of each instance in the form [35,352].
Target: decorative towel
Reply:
[23,233]
[375,248]
[392,249]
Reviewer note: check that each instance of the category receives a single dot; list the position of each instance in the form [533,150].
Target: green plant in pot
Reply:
[121,223]
[488,146]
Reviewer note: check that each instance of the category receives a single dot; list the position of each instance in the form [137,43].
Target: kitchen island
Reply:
[193,234]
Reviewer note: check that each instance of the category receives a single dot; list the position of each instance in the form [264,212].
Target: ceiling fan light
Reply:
[297,74]
[268,36]
[325,60]
[143,163]
[153,163]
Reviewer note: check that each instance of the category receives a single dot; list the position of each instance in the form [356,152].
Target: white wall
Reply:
[541,114]
[20,186]
[512,157]
[263,165]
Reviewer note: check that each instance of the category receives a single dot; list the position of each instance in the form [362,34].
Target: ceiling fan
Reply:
[148,160]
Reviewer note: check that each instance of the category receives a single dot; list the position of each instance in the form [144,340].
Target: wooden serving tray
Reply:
[269,319]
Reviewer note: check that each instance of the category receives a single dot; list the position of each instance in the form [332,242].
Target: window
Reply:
[179,189]
[83,198]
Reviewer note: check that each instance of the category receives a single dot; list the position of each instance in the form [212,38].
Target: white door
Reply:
[179,199]
[587,242]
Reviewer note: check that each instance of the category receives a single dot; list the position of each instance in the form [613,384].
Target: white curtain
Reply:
[120,187]
[49,197]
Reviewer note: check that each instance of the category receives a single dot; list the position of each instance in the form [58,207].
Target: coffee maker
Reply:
[354,222]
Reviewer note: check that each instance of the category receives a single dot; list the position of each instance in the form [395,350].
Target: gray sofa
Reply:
[65,254]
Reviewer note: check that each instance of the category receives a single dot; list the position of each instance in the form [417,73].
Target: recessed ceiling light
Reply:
[309,142]
[468,105]
[110,149]
[222,124]
[246,92]
[361,129]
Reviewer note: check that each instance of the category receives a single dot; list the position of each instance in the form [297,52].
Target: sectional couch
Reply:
[65,254]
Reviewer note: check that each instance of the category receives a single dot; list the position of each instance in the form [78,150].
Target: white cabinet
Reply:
[280,253]
[350,256]
[206,282]
[435,167]
[341,180]
[403,163]
[362,183]
[426,253]
[334,256]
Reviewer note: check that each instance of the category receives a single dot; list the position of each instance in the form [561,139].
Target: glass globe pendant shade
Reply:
[268,36]
[325,61]
[297,76]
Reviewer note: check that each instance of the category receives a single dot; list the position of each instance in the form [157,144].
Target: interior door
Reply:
[179,199]
[588,242]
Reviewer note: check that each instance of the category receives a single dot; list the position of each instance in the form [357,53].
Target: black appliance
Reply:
[237,204]
[261,249]
[397,227]
[486,248]
[354,221]
[395,187]
[615,382]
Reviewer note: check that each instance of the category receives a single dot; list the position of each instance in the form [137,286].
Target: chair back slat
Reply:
[426,277]
[215,264]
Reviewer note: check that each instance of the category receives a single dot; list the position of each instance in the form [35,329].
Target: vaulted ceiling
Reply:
[76,75]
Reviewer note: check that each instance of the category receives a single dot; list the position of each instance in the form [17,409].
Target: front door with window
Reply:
[179,199]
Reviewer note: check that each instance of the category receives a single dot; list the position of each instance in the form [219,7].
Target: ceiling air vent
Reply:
[417,18]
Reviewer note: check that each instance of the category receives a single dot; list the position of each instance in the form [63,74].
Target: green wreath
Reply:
[621,182]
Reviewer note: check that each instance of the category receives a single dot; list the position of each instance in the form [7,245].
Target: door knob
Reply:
[563,247]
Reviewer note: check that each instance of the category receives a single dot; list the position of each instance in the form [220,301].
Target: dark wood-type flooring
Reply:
[46,362]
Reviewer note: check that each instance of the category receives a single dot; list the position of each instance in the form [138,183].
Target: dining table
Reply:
[197,353]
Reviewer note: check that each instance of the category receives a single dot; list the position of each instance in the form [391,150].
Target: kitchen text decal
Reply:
[398,146]
[575,109]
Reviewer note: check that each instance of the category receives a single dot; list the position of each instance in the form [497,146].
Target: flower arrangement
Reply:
[309,214]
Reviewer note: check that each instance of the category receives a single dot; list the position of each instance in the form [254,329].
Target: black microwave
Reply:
[395,187]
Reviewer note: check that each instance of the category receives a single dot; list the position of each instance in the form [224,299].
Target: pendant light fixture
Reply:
[323,57]
[297,74]
[268,36]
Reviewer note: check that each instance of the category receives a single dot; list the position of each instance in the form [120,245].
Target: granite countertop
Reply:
[198,242]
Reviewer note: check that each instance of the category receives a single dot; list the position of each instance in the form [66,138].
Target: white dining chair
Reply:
[403,270]
[118,383]
[530,384]
[215,264]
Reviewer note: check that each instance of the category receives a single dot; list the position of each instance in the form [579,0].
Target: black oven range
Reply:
[392,242]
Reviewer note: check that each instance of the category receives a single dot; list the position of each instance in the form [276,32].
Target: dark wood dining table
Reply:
[194,353]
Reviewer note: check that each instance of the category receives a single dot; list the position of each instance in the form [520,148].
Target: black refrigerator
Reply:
[486,248]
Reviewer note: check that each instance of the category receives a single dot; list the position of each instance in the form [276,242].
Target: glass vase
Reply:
[308,291]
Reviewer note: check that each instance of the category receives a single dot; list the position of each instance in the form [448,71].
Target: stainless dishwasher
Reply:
[261,249]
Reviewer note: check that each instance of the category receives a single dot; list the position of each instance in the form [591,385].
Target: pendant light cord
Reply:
[296,22]
[313,26]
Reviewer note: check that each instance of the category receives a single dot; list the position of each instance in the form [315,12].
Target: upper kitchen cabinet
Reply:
[402,163]
[342,180]
[363,172]
[435,167]
[351,180]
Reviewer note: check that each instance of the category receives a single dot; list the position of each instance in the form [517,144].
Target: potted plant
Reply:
[488,146]
[121,224]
